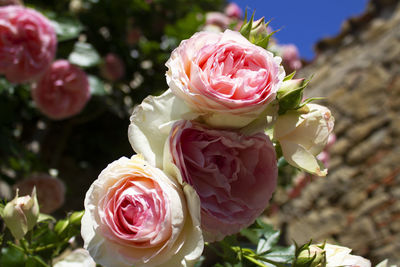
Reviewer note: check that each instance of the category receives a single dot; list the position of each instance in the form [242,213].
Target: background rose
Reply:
[113,67]
[303,134]
[234,175]
[62,91]
[27,44]
[290,58]
[224,76]
[50,191]
[136,216]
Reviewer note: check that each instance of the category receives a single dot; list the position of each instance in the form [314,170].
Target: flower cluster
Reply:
[207,163]
[27,49]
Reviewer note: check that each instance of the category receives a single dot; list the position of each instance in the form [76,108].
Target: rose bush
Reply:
[27,45]
[62,91]
[233,174]
[303,134]
[224,77]
[137,216]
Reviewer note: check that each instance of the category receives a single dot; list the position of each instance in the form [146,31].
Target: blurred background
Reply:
[351,48]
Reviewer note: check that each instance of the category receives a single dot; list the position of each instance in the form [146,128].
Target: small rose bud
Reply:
[313,256]
[20,214]
[303,134]
[260,28]
[290,94]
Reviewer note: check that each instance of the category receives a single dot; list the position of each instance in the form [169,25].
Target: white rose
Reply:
[77,258]
[340,256]
[135,215]
[303,134]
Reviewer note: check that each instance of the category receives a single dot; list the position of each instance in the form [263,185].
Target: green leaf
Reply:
[67,28]
[271,238]
[96,86]
[84,55]
[12,257]
[282,255]
[61,225]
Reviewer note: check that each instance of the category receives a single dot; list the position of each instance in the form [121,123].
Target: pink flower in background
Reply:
[62,91]
[222,74]
[50,191]
[233,10]
[290,58]
[218,19]
[27,44]
[135,215]
[233,174]
[10,2]
[113,67]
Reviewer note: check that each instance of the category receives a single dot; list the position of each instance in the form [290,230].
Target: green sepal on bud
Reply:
[310,256]
[21,214]
[290,94]
[256,31]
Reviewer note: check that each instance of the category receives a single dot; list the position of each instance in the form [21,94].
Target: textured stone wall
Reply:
[358,203]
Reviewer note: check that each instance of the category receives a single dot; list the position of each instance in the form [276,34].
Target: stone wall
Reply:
[358,203]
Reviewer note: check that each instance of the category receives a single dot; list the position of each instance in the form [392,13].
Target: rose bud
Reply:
[135,215]
[290,58]
[27,45]
[312,256]
[50,191]
[62,91]
[113,67]
[233,174]
[20,214]
[340,256]
[224,77]
[233,10]
[303,134]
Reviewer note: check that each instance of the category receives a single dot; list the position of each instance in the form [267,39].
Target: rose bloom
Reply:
[50,191]
[340,256]
[113,67]
[290,58]
[233,174]
[27,45]
[135,215]
[78,258]
[225,77]
[62,91]
[233,10]
[303,134]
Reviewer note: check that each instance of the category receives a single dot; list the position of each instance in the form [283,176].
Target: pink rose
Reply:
[27,45]
[113,67]
[290,58]
[233,174]
[62,91]
[50,191]
[225,77]
[135,215]
[218,19]
[233,10]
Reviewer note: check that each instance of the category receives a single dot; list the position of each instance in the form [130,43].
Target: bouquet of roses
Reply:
[207,151]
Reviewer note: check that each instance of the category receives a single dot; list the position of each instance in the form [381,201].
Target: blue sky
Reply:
[304,22]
